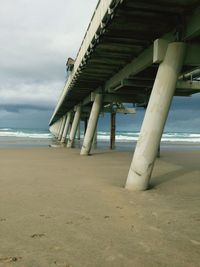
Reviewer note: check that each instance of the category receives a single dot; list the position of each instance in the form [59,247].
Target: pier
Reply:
[137,52]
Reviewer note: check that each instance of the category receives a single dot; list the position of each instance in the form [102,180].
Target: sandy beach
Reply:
[60,209]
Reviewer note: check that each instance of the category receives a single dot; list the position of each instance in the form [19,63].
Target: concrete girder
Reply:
[138,64]
[117,98]
[192,29]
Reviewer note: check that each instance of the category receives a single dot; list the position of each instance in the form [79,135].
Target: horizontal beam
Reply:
[188,85]
[125,110]
[192,57]
[193,26]
[125,98]
[116,98]
[144,60]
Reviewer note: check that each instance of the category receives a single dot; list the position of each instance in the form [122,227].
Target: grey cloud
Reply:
[36,39]
[38,36]
[22,93]
[19,108]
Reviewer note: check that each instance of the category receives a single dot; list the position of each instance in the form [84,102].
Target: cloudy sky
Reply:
[36,39]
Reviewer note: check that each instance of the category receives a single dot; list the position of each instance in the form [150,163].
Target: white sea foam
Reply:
[167,137]
[103,135]
[21,134]
[195,135]
[6,129]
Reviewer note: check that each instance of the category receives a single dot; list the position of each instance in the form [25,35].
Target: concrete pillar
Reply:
[85,125]
[67,127]
[112,129]
[155,118]
[56,129]
[62,127]
[94,142]
[74,127]
[59,128]
[158,154]
[79,131]
[92,124]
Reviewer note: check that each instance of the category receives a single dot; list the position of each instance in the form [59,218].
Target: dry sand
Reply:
[60,209]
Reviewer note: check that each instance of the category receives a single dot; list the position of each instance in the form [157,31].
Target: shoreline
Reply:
[12,142]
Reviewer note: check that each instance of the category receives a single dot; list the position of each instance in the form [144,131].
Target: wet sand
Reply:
[60,209]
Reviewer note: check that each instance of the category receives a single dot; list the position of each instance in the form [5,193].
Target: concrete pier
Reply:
[155,118]
[125,63]
[74,127]
[59,128]
[62,128]
[92,124]
[67,127]
[112,129]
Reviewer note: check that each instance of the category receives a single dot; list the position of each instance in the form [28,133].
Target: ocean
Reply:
[126,140]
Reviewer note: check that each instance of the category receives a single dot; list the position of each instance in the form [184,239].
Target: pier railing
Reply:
[99,13]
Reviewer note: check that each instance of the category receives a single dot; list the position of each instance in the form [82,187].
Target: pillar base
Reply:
[84,152]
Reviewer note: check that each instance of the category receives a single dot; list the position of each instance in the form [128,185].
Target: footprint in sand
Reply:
[10,259]
[69,222]
[118,207]
[2,219]
[37,235]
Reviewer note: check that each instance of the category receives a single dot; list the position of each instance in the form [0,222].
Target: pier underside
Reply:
[136,52]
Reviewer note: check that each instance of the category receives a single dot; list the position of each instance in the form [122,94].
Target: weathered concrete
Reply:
[66,128]
[62,127]
[74,128]
[92,123]
[59,128]
[112,129]
[94,142]
[155,118]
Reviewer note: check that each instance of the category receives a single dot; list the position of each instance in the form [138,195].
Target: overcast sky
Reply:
[36,39]
[37,36]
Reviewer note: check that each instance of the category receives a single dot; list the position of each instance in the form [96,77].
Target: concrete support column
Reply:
[94,142]
[66,128]
[85,125]
[62,127]
[155,118]
[59,128]
[112,129]
[79,131]
[74,127]
[92,124]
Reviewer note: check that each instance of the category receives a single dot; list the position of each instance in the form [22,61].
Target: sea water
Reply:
[21,137]
[16,137]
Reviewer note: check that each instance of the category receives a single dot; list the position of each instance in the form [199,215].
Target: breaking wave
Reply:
[23,133]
